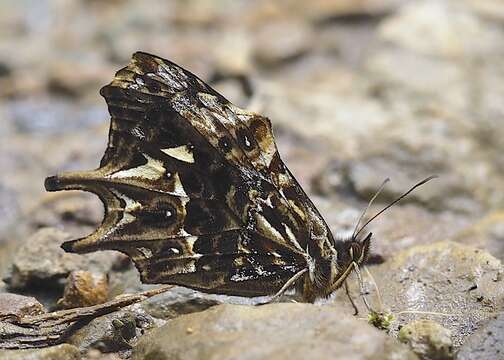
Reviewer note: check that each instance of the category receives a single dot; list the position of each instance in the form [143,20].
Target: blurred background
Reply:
[357,90]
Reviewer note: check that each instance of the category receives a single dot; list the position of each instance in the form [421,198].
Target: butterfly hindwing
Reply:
[194,189]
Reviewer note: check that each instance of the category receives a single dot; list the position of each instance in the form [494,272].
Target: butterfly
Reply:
[195,193]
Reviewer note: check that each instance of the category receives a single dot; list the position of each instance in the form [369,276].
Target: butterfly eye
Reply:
[354,251]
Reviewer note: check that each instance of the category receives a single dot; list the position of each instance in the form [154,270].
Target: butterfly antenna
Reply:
[368,206]
[395,202]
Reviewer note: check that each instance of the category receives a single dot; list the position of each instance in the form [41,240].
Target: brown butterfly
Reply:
[196,194]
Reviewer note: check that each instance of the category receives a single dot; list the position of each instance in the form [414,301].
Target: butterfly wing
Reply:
[193,187]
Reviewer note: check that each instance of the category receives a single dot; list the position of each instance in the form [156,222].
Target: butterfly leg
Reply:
[361,285]
[285,287]
[347,292]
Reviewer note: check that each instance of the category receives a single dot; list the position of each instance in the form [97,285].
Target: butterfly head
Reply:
[351,254]
[350,251]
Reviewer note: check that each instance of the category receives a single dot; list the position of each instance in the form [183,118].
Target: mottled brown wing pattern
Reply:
[194,189]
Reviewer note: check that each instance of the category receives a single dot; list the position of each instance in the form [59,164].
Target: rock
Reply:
[77,77]
[300,331]
[32,157]
[396,70]
[354,116]
[456,285]
[409,223]
[428,339]
[324,10]
[7,248]
[442,55]
[17,306]
[486,233]
[9,207]
[441,28]
[486,343]
[407,158]
[52,116]
[393,163]
[281,41]
[233,55]
[491,9]
[73,210]
[59,352]
[362,176]
[84,288]
[179,301]
[114,332]
[95,354]
[41,261]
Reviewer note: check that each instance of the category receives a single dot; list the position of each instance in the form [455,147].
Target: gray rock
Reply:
[17,306]
[394,230]
[486,233]
[114,332]
[52,116]
[178,301]
[281,41]
[323,10]
[488,9]
[458,286]
[59,352]
[95,354]
[441,28]
[42,262]
[9,207]
[428,339]
[72,210]
[437,70]
[486,343]
[276,331]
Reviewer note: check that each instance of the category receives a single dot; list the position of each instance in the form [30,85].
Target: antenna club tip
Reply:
[427,179]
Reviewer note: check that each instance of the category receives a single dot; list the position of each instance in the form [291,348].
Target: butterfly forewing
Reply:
[194,189]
